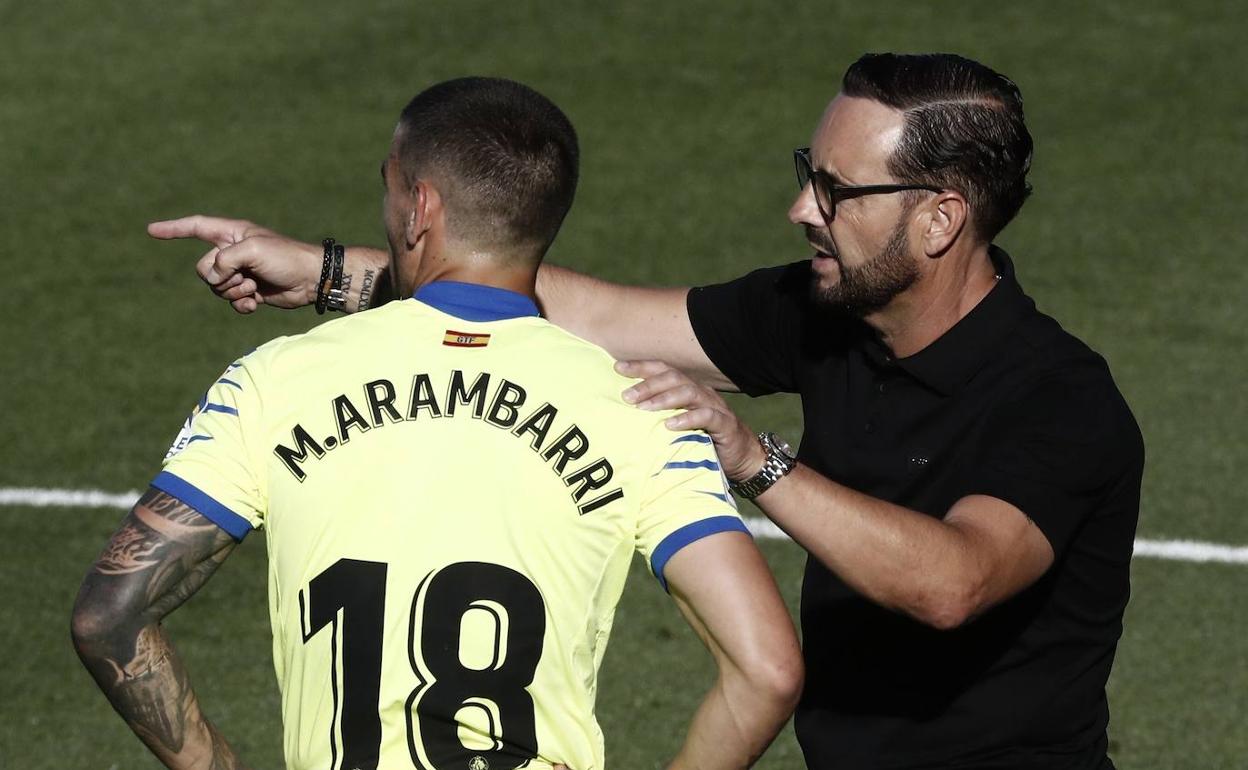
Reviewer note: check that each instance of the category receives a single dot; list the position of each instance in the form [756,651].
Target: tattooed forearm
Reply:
[366,280]
[153,692]
[162,553]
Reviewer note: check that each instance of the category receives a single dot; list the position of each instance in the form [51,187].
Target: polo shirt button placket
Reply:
[880,388]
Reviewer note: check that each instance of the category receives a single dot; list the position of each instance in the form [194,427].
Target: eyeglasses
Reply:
[828,193]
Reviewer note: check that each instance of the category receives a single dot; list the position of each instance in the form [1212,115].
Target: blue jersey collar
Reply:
[474,302]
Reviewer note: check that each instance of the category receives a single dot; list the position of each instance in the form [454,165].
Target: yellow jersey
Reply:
[451,489]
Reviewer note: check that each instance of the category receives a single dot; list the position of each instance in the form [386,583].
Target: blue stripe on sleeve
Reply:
[696,438]
[710,465]
[202,437]
[230,382]
[218,514]
[220,408]
[688,534]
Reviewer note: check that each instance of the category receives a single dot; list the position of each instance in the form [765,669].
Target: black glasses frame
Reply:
[828,193]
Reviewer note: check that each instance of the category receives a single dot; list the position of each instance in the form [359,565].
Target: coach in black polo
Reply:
[968,479]
[1005,404]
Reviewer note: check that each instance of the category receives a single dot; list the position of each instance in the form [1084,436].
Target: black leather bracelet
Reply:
[337,299]
[326,283]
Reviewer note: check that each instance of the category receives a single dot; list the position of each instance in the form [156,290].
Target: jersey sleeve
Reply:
[1055,450]
[215,464]
[685,498]
[751,327]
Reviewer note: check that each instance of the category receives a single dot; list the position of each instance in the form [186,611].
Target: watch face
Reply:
[783,446]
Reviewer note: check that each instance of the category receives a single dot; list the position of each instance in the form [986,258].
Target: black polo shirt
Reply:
[1007,404]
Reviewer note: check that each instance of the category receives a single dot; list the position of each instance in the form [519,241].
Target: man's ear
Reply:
[425,213]
[944,219]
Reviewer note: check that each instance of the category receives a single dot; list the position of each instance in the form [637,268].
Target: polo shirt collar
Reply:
[954,357]
[475,302]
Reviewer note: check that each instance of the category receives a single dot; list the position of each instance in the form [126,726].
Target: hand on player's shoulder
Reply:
[701,408]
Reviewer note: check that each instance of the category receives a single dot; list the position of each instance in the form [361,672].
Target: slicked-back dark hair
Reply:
[503,157]
[963,131]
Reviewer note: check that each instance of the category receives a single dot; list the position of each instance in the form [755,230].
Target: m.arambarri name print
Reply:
[496,401]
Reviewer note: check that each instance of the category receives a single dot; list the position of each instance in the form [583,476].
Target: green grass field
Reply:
[117,113]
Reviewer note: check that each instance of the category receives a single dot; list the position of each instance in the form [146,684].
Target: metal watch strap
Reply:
[775,467]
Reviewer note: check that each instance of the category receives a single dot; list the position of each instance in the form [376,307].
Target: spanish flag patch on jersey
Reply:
[465,339]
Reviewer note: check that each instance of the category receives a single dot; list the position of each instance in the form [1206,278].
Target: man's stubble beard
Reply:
[870,286]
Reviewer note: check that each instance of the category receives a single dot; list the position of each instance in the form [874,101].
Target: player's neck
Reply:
[481,269]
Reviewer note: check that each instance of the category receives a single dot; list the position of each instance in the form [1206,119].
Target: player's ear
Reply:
[943,219]
[426,211]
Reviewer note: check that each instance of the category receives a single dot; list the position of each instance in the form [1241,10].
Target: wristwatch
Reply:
[780,460]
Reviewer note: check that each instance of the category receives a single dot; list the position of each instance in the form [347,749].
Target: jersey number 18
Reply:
[449,689]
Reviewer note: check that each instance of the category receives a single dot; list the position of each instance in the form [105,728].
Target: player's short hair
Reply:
[963,131]
[503,157]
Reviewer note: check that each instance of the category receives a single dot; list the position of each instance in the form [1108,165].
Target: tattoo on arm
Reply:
[347,278]
[374,285]
[162,553]
[366,288]
[367,285]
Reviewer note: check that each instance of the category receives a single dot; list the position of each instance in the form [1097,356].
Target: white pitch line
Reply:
[69,498]
[764,529]
[1192,550]
[1171,550]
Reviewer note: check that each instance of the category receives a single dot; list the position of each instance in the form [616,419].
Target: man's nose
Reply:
[804,210]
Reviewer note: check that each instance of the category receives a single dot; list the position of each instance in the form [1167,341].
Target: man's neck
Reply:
[481,269]
[935,303]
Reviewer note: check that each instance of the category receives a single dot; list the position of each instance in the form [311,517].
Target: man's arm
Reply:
[162,553]
[628,321]
[249,265]
[942,572]
[726,592]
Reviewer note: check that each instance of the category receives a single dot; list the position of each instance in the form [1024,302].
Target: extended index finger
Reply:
[218,231]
